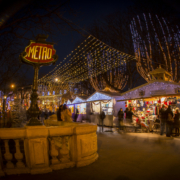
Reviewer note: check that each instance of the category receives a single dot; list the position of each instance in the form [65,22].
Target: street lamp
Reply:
[56,79]
[12,85]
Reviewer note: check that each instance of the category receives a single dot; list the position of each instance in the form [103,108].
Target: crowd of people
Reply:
[168,120]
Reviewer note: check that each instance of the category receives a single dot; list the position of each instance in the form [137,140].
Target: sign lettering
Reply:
[39,53]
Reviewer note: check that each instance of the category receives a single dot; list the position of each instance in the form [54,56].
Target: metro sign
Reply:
[39,52]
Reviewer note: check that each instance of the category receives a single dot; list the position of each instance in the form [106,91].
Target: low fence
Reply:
[41,149]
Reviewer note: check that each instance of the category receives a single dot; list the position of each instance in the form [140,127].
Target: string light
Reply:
[162,47]
[89,60]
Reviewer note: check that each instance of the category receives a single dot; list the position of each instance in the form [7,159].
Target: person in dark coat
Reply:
[162,115]
[102,117]
[127,114]
[130,116]
[42,116]
[120,117]
[76,115]
[176,122]
[46,114]
[169,122]
[50,113]
[59,113]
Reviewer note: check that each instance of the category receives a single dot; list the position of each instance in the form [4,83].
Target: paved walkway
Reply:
[132,156]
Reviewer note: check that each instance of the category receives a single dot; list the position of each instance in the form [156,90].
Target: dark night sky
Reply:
[88,11]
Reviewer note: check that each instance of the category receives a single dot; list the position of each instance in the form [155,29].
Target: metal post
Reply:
[34,111]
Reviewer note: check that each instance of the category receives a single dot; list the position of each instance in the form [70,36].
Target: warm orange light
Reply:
[12,85]
[56,79]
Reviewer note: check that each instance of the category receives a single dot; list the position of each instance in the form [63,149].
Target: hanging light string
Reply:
[91,46]
[91,59]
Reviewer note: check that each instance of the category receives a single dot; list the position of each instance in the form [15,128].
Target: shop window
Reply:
[53,92]
[107,107]
[60,92]
[48,93]
[42,93]
[65,91]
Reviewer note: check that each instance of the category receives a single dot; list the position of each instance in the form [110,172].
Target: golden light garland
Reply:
[89,60]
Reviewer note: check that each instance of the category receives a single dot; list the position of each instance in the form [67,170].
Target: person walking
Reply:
[176,122]
[162,115]
[66,114]
[169,122]
[76,115]
[120,118]
[102,117]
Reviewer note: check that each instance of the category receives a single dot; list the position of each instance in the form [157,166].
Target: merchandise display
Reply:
[95,107]
[71,107]
[106,106]
[81,108]
[146,111]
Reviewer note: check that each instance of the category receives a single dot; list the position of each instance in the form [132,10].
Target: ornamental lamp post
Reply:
[38,53]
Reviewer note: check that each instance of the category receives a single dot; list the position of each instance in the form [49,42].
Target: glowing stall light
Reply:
[69,102]
[99,96]
[162,99]
[157,88]
[78,100]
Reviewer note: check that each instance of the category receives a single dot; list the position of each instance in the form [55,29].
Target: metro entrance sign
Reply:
[38,53]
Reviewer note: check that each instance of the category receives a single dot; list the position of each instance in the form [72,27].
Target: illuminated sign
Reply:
[39,52]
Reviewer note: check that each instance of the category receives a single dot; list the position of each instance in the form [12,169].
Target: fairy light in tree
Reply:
[155,42]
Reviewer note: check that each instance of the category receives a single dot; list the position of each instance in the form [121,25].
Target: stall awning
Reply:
[152,97]
[103,95]
[79,99]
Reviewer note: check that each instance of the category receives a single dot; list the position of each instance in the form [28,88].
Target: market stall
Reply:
[146,100]
[80,104]
[103,101]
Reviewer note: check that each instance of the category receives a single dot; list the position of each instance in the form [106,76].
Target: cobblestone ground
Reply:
[124,157]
